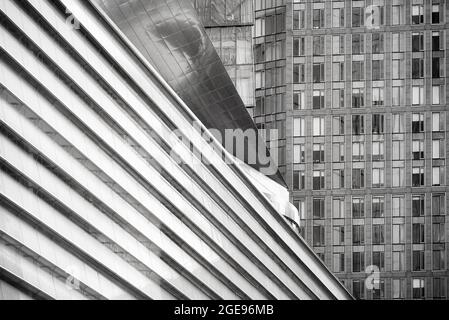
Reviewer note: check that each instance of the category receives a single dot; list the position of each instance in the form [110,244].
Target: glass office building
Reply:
[103,194]
[361,89]
[229,25]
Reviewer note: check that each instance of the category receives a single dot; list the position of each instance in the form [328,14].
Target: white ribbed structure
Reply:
[91,192]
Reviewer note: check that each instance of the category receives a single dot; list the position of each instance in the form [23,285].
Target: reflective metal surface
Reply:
[225,12]
[170,35]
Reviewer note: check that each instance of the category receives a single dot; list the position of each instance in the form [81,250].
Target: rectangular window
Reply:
[378,124]
[318,180]
[437,70]
[318,208]
[318,236]
[270,24]
[299,47]
[318,99]
[379,291]
[418,287]
[299,100]
[437,176]
[378,96]
[418,95]
[439,288]
[399,289]
[417,41]
[438,259]
[418,233]
[438,149]
[418,205]
[338,126]
[318,152]
[299,153]
[318,72]
[338,71]
[378,43]
[299,180]
[338,152]
[318,45]
[270,78]
[398,261]
[338,179]
[358,235]
[378,178]
[338,45]
[358,125]
[318,126]
[438,233]
[438,204]
[378,207]
[358,178]
[418,14]
[260,106]
[298,19]
[379,260]
[397,15]
[436,14]
[358,289]
[397,69]
[318,18]
[338,208]
[398,152]
[358,98]
[358,43]
[398,41]
[398,206]
[378,70]
[358,151]
[437,96]
[398,123]
[358,17]
[299,127]
[398,177]
[259,53]
[339,262]
[358,70]
[358,262]
[338,235]
[338,98]
[260,79]
[418,177]
[260,27]
[418,149]
[338,16]
[397,96]
[417,68]
[378,234]
[358,208]
[437,44]
[418,122]
[299,74]
[280,22]
[418,260]
[398,234]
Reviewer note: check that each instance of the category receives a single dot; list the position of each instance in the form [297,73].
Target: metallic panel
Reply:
[171,36]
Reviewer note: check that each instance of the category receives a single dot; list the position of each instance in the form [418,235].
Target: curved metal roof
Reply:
[170,35]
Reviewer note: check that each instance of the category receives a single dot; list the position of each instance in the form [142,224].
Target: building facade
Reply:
[107,189]
[359,91]
[229,25]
